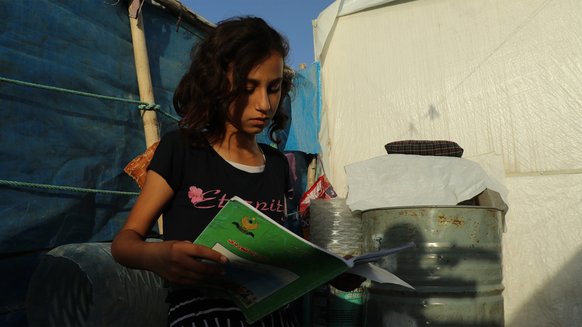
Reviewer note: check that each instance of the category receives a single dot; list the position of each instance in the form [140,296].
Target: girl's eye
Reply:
[275,88]
[250,90]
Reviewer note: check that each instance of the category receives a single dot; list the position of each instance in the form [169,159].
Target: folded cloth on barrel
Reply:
[397,180]
[425,148]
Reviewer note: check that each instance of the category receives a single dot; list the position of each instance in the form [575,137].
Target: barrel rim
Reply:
[431,207]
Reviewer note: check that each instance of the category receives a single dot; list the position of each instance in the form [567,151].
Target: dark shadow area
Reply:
[14,286]
[557,303]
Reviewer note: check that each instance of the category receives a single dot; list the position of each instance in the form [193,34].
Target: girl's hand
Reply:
[185,263]
[180,262]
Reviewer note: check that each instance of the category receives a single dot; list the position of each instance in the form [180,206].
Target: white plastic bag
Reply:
[409,180]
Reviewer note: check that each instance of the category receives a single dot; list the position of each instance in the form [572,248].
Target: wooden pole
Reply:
[144,80]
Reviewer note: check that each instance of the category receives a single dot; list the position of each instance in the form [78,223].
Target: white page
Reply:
[377,274]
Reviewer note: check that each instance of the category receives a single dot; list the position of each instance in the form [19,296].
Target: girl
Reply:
[231,92]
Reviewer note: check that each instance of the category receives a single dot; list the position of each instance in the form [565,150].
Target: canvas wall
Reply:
[499,77]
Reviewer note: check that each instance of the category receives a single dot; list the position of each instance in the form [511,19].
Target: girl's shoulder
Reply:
[184,138]
[271,151]
[172,136]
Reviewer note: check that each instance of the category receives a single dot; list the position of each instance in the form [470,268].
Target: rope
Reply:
[63,188]
[141,105]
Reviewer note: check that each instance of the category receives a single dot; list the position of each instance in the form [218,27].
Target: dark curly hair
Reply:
[204,94]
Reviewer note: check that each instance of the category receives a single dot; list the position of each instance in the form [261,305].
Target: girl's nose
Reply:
[263,102]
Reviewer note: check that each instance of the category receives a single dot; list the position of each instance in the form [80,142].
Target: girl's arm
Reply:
[177,261]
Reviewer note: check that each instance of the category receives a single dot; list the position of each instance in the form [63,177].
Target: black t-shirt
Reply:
[203,182]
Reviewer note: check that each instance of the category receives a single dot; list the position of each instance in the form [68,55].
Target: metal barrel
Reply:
[456,267]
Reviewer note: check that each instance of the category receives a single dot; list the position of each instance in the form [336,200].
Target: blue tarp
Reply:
[306,104]
[304,110]
[56,138]
[49,137]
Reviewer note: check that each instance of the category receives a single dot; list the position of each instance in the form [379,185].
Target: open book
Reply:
[269,266]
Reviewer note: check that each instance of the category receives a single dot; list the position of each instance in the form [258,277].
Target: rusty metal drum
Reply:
[456,267]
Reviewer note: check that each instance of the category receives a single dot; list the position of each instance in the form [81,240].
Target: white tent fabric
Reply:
[326,20]
[498,77]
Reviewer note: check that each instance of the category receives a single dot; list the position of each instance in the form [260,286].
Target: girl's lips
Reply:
[260,121]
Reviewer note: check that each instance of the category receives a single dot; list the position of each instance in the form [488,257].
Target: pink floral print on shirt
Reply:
[195,194]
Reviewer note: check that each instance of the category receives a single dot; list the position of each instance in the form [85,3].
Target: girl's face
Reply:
[252,112]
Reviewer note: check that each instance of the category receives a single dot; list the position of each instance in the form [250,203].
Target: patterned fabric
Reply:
[137,168]
[425,148]
[191,308]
